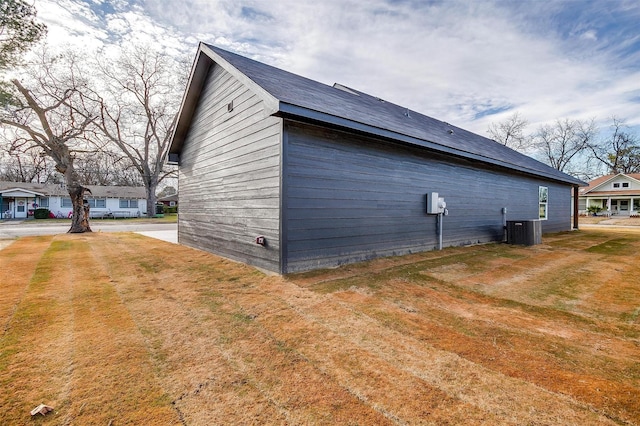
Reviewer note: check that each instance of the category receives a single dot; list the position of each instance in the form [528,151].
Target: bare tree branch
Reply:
[564,141]
[510,132]
[620,152]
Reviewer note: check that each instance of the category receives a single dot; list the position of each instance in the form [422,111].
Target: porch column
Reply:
[575,207]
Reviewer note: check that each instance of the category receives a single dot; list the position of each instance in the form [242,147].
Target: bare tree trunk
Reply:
[80,218]
[64,164]
[150,188]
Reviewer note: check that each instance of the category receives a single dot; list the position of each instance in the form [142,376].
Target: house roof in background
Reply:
[17,192]
[97,191]
[290,95]
[613,193]
[172,197]
[597,183]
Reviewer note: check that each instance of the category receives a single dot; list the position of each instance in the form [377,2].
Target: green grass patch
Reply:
[614,247]
[631,317]
[474,259]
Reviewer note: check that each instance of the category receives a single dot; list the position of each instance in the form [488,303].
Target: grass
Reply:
[124,329]
[168,218]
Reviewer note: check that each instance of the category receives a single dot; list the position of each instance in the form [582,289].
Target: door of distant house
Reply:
[624,206]
[20,208]
[6,208]
[614,206]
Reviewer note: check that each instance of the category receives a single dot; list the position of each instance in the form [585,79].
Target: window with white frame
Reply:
[97,203]
[128,204]
[44,202]
[616,185]
[543,202]
[66,202]
[625,184]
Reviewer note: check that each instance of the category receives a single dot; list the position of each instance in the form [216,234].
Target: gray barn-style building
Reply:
[328,175]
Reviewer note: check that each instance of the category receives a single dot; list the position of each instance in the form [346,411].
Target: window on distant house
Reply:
[616,185]
[44,202]
[543,202]
[128,204]
[625,184]
[97,203]
[66,202]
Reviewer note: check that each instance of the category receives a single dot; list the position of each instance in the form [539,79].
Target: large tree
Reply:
[560,144]
[18,30]
[620,151]
[45,115]
[138,111]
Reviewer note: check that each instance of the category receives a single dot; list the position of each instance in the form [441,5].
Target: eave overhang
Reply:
[304,114]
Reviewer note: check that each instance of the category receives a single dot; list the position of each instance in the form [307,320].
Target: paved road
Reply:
[634,228]
[162,231]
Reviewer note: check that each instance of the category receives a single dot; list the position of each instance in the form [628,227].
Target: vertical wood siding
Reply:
[230,175]
[351,198]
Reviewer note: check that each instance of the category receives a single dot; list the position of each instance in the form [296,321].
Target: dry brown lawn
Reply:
[122,329]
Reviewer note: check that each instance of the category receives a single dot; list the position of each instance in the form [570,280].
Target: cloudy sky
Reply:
[469,62]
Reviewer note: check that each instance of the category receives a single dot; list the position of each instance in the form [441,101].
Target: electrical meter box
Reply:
[435,204]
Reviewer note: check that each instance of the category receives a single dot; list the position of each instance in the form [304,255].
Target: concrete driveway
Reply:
[10,230]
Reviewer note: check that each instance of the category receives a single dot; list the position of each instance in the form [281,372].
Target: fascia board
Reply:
[17,192]
[199,71]
[205,58]
[631,178]
[270,101]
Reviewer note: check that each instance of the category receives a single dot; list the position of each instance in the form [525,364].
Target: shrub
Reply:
[171,209]
[594,210]
[41,214]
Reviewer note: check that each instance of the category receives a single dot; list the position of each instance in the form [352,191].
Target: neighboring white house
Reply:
[614,194]
[19,200]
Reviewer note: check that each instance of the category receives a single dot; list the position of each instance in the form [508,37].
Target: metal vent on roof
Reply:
[345,89]
[406,113]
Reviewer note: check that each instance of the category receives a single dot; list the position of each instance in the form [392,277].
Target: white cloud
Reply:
[454,60]
[589,35]
[71,23]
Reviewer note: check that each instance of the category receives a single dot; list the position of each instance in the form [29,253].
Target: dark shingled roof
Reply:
[348,108]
